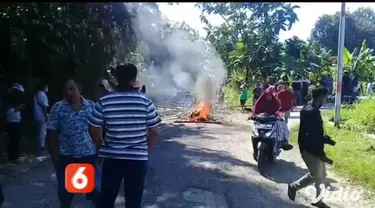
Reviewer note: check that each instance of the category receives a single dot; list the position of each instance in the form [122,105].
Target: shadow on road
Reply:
[176,167]
[281,171]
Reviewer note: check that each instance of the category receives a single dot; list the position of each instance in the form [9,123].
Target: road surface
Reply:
[194,166]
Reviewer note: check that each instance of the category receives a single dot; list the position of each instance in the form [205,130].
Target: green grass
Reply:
[232,96]
[353,155]
[359,117]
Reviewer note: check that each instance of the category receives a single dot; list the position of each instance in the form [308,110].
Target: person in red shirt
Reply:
[269,104]
[286,99]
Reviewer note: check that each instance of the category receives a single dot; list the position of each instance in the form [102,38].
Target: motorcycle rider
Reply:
[311,140]
[267,103]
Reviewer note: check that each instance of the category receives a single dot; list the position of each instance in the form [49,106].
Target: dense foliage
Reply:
[55,40]
[248,42]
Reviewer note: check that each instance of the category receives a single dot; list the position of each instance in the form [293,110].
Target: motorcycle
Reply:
[264,137]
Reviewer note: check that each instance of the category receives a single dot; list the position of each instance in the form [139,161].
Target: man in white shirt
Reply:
[15,103]
[40,112]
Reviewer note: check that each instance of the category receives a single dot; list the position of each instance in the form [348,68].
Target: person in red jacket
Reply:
[286,99]
[269,104]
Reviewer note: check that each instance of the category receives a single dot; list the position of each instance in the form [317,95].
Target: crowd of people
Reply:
[113,134]
[279,100]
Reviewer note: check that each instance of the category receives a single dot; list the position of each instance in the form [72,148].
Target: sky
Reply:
[308,14]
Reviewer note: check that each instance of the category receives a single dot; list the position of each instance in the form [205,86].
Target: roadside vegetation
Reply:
[353,155]
[359,117]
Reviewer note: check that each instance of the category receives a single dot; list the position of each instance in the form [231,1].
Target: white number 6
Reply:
[79,180]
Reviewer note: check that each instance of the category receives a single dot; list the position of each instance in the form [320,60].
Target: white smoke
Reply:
[193,65]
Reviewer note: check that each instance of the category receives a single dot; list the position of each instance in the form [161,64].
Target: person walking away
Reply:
[311,140]
[356,87]
[257,91]
[131,125]
[15,103]
[370,87]
[267,103]
[243,97]
[221,95]
[286,99]
[297,91]
[68,136]
[40,113]
[346,86]
[143,89]
[329,84]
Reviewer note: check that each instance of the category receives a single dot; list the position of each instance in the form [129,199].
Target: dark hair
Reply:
[68,79]
[125,74]
[41,85]
[319,92]
[143,89]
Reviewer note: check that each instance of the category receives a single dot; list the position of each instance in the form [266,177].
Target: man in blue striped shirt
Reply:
[130,124]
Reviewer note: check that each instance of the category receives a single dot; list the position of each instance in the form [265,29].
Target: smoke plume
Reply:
[192,65]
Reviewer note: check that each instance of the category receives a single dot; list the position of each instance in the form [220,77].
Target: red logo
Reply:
[79,178]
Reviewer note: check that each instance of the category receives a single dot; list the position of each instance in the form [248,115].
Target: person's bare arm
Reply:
[153,134]
[96,135]
[96,122]
[43,102]
[153,121]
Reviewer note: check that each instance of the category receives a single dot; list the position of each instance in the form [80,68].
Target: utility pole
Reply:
[340,65]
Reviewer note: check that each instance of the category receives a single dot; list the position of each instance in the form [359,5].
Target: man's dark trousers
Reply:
[133,172]
[317,173]
[1,196]
[64,196]
[298,97]
[14,133]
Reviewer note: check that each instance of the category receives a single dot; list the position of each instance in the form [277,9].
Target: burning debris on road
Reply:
[200,114]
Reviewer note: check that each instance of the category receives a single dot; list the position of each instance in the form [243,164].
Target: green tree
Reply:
[56,40]
[248,38]
[304,59]
[359,26]
[360,61]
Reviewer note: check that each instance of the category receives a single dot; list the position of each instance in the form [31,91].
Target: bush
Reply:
[232,96]
[353,155]
[358,117]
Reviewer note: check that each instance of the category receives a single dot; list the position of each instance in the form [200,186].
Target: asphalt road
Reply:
[193,166]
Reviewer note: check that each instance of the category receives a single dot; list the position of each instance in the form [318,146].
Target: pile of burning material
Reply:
[200,114]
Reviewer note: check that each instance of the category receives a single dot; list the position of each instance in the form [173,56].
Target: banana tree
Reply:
[237,62]
[360,61]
